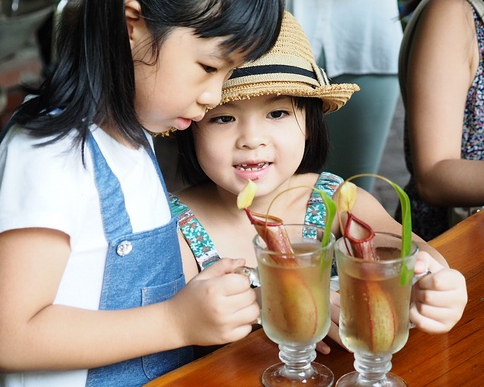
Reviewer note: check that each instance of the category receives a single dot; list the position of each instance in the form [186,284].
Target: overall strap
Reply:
[316,209]
[194,233]
[113,209]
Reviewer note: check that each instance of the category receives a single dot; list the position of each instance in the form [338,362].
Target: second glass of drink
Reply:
[374,315]
[295,305]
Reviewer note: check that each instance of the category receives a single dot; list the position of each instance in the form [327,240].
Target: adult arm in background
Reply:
[441,67]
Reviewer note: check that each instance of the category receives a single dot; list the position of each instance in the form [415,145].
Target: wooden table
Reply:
[453,359]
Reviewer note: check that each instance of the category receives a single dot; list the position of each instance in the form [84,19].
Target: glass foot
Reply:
[279,375]
[354,379]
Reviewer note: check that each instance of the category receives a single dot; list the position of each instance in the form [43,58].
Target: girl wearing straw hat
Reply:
[270,128]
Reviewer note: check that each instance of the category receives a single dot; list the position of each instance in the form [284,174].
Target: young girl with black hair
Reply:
[270,128]
[92,291]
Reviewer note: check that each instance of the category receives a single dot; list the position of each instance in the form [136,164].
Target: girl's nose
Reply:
[210,99]
[212,95]
[252,136]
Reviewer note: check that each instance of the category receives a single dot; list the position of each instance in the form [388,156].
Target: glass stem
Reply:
[371,368]
[297,360]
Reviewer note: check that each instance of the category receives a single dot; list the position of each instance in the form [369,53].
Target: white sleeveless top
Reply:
[358,36]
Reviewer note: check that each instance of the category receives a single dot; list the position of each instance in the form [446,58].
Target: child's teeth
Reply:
[246,168]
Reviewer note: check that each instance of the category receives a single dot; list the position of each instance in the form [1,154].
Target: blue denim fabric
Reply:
[141,269]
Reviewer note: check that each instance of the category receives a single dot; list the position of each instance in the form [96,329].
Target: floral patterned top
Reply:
[200,242]
[428,221]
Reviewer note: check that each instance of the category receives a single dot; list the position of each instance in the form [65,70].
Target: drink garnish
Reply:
[355,232]
[270,228]
[346,198]
[246,196]
[298,298]
[359,235]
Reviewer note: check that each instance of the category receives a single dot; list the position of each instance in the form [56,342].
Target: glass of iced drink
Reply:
[374,315]
[295,305]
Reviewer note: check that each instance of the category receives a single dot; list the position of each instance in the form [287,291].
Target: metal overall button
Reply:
[124,248]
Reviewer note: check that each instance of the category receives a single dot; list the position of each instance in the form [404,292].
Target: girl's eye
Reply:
[209,69]
[278,114]
[221,119]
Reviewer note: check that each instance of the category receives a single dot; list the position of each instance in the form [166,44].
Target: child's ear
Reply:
[134,22]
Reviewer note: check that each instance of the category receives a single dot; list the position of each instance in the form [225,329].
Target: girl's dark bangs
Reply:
[247,31]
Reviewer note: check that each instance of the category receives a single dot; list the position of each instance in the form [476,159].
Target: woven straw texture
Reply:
[305,79]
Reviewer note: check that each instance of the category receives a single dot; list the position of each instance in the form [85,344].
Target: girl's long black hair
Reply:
[93,78]
[408,7]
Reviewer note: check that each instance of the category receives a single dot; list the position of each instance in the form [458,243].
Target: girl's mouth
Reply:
[252,167]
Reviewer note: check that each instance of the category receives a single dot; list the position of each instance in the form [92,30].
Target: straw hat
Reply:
[288,69]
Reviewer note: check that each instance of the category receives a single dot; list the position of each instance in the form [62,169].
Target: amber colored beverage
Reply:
[295,312]
[374,316]
[295,298]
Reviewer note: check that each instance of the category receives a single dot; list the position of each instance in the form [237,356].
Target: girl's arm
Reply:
[38,335]
[441,66]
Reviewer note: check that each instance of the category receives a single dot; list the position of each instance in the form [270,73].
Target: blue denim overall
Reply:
[141,269]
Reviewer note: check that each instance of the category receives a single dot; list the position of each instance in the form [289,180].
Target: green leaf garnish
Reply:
[328,203]
[406,274]
[330,214]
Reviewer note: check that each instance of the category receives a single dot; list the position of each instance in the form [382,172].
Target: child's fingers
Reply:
[439,301]
[435,324]
[436,312]
[323,348]
[443,280]
[441,296]
[425,262]
[435,319]
[422,264]
[221,275]
[221,267]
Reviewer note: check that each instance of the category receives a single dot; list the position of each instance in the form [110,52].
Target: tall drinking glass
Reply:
[295,305]
[374,315]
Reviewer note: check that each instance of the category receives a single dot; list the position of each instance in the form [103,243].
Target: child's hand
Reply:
[333,333]
[439,298]
[216,306]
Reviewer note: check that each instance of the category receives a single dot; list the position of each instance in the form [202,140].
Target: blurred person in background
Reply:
[356,41]
[442,82]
